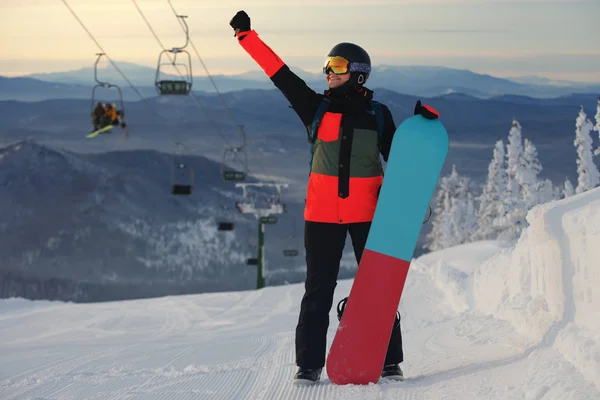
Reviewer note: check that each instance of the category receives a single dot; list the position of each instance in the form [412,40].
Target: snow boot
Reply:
[306,376]
[393,372]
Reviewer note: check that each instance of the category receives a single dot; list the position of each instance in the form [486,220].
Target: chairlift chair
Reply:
[178,188]
[182,176]
[230,157]
[181,86]
[225,226]
[106,85]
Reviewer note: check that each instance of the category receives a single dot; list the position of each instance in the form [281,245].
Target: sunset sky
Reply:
[555,39]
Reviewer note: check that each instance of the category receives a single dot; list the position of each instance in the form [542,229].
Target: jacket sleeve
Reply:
[303,99]
[389,128]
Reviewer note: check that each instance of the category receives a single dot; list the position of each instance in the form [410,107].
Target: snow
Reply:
[483,320]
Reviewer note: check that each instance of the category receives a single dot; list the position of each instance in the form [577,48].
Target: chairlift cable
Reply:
[220,95]
[180,74]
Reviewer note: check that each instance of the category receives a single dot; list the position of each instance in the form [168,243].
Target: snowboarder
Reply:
[112,114]
[99,113]
[345,177]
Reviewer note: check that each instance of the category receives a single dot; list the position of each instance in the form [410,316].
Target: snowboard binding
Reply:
[342,306]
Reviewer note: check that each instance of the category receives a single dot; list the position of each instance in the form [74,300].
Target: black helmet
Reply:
[360,62]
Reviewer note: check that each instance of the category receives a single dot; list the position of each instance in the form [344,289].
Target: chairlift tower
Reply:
[264,215]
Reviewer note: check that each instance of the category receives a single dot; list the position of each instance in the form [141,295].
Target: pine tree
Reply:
[597,127]
[588,175]
[514,149]
[512,210]
[445,239]
[547,192]
[491,196]
[454,221]
[568,190]
[527,176]
[557,192]
[512,213]
[463,218]
[438,237]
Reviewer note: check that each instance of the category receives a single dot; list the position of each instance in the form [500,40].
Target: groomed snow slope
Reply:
[480,321]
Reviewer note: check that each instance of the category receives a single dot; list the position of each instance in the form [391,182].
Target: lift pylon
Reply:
[264,215]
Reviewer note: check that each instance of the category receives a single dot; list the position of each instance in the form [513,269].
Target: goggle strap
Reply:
[359,67]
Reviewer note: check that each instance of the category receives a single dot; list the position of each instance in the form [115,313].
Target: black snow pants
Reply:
[324,243]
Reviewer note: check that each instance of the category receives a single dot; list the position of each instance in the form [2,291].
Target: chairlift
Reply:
[234,166]
[181,171]
[225,224]
[231,157]
[175,86]
[252,247]
[106,85]
[182,176]
[252,261]
[290,252]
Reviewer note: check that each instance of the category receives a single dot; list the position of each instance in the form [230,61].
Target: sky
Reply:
[505,38]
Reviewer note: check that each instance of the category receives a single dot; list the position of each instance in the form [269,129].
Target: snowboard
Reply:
[414,164]
[99,131]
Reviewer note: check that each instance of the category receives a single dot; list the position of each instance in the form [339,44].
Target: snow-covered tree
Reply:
[547,192]
[514,150]
[491,196]
[568,190]
[527,176]
[438,238]
[463,217]
[558,192]
[588,175]
[597,127]
[512,209]
[454,221]
[512,212]
[444,225]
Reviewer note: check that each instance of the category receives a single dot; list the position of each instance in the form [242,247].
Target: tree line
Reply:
[498,209]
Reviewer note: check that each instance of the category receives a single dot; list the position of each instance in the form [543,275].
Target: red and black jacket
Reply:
[346,172]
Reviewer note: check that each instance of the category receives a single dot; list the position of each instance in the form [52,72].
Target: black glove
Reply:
[240,21]
[426,111]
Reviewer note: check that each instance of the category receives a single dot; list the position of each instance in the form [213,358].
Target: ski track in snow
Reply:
[243,360]
[240,345]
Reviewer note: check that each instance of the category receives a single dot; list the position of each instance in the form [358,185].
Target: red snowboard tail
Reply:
[376,304]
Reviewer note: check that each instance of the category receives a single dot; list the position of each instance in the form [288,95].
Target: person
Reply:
[111,114]
[343,185]
[99,113]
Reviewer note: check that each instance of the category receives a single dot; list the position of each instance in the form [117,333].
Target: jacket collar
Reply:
[362,93]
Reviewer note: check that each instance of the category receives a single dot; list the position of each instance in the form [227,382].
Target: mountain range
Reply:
[93,219]
[105,226]
[412,80]
[205,126]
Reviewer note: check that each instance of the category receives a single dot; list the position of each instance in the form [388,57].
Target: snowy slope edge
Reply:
[548,284]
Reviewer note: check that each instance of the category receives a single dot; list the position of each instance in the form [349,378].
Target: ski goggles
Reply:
[340,66]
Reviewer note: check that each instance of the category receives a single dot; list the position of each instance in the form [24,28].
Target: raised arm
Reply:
[303,99]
